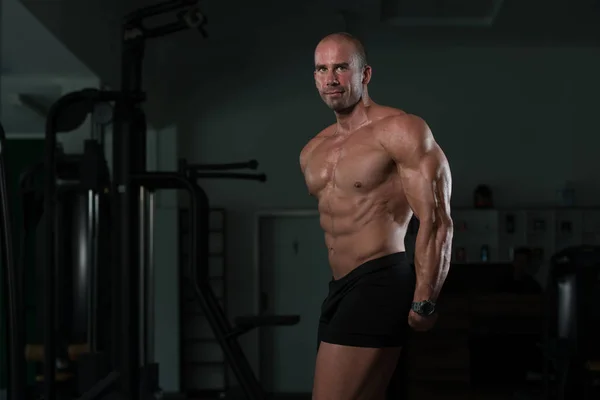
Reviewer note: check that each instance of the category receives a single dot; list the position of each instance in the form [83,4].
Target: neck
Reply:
[354,117]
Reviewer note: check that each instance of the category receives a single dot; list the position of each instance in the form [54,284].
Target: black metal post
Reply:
[50,262]
[129,157]
[11,287]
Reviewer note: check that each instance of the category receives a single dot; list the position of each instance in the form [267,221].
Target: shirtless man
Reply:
[370,171]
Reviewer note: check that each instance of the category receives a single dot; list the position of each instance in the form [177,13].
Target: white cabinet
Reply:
[492,235]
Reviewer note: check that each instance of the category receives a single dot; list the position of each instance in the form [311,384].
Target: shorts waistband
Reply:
[370,266]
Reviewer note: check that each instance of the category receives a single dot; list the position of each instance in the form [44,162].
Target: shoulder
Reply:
[404,134]
[313,143]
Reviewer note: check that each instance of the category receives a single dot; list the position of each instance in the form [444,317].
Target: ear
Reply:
[367,71]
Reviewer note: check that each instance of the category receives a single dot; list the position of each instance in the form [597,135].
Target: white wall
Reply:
[162,156]
[90,30]
[519,119]
[28,47]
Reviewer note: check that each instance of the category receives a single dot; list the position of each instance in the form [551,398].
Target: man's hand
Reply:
[420,323]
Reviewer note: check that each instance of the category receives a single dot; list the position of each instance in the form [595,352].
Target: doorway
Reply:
[294,275]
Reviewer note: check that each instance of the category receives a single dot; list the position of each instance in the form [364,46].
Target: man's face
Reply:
[338,76]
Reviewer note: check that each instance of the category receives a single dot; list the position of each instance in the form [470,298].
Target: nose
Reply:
[332,79]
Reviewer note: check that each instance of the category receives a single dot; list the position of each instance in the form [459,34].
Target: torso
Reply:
[363,210]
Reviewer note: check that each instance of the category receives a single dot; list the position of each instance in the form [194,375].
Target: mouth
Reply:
[333,93]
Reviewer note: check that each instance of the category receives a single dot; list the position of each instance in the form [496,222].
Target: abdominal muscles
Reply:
[361,227]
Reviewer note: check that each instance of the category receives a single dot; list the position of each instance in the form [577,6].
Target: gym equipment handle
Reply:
[157,9]
[193,170]
[165,30]
[230,175]
[185,167]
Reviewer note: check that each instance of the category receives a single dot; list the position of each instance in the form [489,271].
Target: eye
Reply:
[321,69]
[341,68]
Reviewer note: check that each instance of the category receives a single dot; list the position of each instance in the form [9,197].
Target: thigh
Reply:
[353,373]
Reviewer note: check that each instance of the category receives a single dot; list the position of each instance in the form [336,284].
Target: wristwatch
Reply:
[423,308]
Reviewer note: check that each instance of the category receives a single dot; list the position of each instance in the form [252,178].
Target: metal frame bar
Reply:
[13,296]
[150,280]
[258,217]
[129,159]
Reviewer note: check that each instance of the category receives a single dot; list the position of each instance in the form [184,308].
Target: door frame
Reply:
[25,136]
[260,216]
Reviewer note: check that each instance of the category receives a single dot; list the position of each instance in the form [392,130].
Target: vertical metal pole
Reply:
[142,276]
[146,276]
[150,282]
[50,262]
[81,247]
[129,151]
[93,268]
[13,293]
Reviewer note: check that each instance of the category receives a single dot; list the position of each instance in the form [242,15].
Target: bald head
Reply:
[341,71]
[344,38]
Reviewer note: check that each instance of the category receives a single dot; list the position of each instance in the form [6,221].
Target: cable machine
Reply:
[110,215]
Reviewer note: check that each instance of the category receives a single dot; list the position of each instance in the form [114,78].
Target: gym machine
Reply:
[571,342]
[111,213]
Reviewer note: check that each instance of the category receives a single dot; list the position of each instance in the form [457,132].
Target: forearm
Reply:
[432,258]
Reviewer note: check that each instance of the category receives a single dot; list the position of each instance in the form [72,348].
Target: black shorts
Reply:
[369,306]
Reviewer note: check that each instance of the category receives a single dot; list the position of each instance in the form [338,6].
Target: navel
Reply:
[357,185]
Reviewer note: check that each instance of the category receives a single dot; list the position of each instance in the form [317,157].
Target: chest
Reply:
[348,164]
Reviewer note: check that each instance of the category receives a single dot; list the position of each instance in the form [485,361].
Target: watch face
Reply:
[427,308]
[424,308]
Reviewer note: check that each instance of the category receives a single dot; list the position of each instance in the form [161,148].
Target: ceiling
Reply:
[50,32]
[36,67]
[91,28]
[28,47]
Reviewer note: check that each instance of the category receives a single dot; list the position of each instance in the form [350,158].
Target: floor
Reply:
[435,392]
[427,392]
